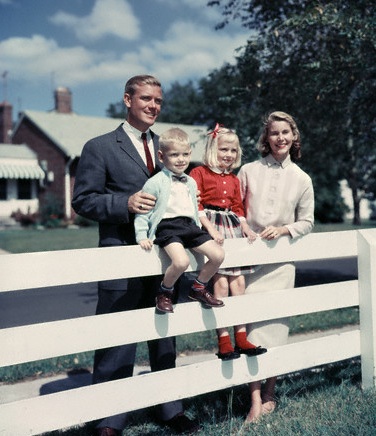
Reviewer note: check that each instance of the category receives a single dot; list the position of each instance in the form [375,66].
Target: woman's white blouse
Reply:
[278,194]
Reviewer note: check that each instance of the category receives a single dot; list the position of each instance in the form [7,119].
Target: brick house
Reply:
[57,138]
[20,173]
[20,178]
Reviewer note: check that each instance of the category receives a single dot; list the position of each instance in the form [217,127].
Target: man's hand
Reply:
[141,202]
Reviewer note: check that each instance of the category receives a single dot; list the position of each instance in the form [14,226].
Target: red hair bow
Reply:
[214,133]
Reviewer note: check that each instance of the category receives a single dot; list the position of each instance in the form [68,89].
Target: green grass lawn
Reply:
[28,240]
[324,401]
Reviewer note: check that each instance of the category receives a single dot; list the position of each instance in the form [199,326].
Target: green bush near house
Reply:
[51,211]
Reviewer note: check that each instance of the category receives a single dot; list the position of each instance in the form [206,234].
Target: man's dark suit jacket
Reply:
[109,171]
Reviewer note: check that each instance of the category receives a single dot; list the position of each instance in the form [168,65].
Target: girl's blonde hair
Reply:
[263,145]
[211,149]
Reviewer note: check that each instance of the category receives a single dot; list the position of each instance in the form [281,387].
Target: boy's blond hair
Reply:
[171,137]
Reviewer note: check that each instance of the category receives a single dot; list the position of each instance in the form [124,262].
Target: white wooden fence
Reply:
[39,341]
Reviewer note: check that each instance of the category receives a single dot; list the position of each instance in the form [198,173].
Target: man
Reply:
[110,174]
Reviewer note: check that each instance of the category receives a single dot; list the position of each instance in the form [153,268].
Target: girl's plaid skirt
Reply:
[228,224]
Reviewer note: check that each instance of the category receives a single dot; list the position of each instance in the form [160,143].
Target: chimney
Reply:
[5,122]
[63,100]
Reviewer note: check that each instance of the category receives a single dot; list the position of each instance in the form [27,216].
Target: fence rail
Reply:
[40,341]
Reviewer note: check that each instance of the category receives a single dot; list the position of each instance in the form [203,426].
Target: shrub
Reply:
[84,222]
[25,219]
[52,211]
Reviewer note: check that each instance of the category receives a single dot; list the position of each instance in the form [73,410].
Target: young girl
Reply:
[221,212]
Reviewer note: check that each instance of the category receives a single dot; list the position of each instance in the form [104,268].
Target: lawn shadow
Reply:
[300,383]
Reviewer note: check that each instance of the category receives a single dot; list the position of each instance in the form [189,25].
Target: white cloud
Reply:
[211,14]
[37,57]
[108,17]
[183,36]
[187,51]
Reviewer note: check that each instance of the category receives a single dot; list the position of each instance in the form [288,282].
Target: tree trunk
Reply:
[353,179]
[356,201]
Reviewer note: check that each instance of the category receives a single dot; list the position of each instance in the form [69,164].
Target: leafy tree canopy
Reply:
[313,59]
[318,62]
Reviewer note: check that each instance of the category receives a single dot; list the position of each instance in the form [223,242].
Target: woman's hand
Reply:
[271,232]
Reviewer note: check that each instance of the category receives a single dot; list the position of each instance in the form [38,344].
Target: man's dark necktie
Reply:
[182,179]
[149,160]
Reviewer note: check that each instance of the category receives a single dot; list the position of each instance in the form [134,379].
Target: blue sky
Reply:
[94,46]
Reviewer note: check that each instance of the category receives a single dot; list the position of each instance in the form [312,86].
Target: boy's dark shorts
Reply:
[180,229]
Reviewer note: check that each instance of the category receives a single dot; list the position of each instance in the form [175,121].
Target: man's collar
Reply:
[129,128]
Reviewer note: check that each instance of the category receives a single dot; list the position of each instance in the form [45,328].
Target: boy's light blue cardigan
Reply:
[160,186]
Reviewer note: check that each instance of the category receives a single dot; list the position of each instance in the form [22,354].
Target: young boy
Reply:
[174,225]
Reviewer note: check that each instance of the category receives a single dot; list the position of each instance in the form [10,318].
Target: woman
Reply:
[279,201]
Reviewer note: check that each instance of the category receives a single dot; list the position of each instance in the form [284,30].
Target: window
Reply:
[3,189]
[24,189]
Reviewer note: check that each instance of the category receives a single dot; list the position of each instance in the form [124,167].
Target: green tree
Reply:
[182,104]
[318,60]
[116,110]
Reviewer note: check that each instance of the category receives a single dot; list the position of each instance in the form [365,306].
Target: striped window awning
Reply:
[21,171]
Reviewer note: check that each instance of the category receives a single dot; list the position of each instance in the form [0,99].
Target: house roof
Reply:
[19,162]
[16,151]
[70,131]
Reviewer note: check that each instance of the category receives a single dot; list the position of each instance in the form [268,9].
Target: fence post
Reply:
[367,305]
